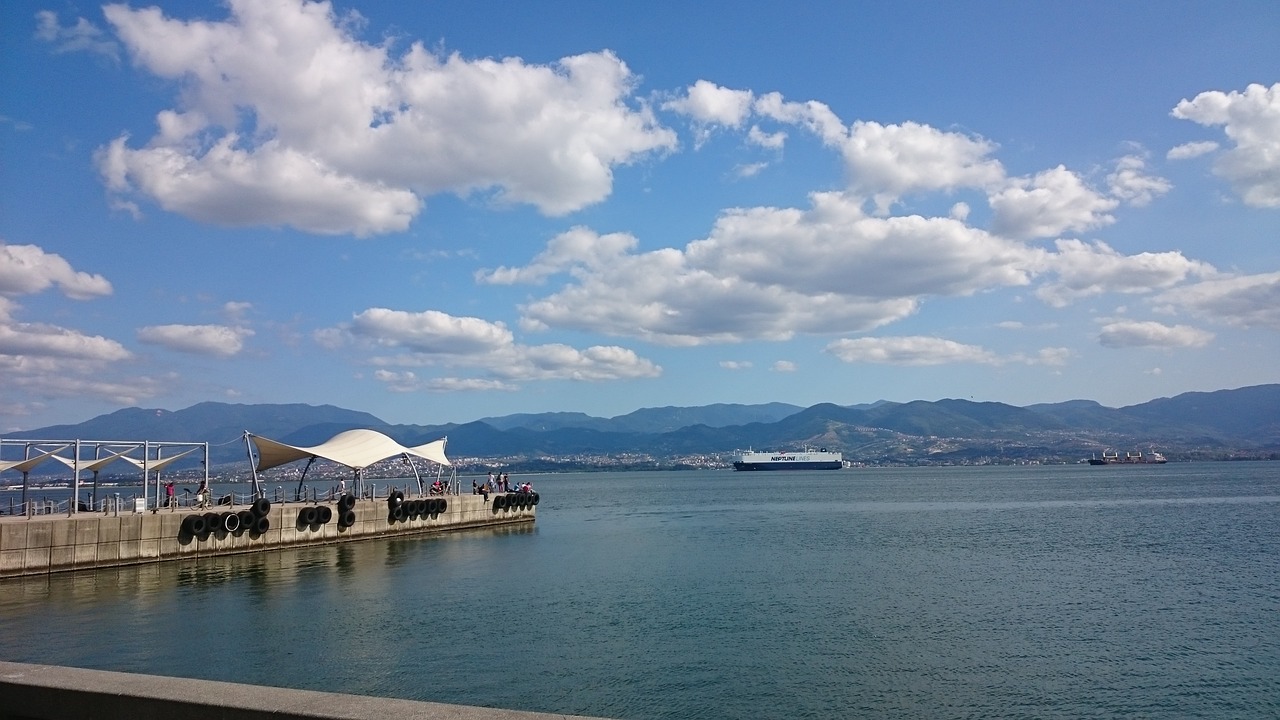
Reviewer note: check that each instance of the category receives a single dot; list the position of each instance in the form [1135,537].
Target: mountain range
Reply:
[1224,424]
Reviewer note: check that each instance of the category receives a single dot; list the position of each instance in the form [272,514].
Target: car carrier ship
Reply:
[799,460]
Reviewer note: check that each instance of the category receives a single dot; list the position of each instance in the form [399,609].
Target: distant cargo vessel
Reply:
[802,460]
[1133,458]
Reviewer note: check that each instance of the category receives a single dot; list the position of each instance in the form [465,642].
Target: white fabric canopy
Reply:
[25,466]
[93,465]
[158,464]
[356,449]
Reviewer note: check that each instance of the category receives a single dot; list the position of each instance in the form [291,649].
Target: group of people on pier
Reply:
[498,484]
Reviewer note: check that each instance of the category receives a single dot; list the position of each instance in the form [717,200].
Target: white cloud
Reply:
[1129,182]
[235,311]
[83,36]
[258,138]
[271,185]
[27,269]
[1191,150]
[769,141]
[1251,120]
[886,162]
[41,340]
[430,332]
[736,364]
[455,384]
[813,116]
[1244,301]
[768,273]
[215,340]
[784,366]
[66,381]
[1052,202]
[710,104]
[1129,333]
[44,360]
[910,351]
[772,273]
[435,339]
[1086,269]
[1051,356]
[578,246]
[920,351]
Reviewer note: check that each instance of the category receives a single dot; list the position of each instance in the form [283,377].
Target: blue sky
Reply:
[437,212]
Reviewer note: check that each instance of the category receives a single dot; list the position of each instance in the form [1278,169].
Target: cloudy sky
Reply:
[436,212]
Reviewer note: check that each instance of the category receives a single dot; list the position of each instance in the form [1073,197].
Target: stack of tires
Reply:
[400,510]
[313,516]
[515,501]
[254,521]
[396,511]
[346,511]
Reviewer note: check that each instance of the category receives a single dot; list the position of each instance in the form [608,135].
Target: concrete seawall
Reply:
[55,543]
[47,692]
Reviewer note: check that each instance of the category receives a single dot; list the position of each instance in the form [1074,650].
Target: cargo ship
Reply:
[799,460]
[1132,458]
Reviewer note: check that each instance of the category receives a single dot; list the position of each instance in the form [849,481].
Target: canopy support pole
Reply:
[297,494]
[416,476]
[253,467]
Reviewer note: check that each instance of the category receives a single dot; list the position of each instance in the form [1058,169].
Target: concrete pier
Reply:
[55,543]
[47,692]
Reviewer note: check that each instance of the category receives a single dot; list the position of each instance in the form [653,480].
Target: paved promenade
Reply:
[49,692]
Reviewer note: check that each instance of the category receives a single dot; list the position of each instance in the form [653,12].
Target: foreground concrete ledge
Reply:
[51,692]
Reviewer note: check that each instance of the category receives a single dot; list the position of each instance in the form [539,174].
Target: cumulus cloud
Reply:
[710,104]
[63,381]
[27,269]
[736,364]
[1086,269]
[1130,182]
[1251,121]
[1128,333]
[235,310]
[83,36]
[1052,202]
[44,359]
[784,366]
[1243,301]
[886,162]
[767,274]
[920,351]
[258,140]
[216,340]
[41,340]
[911,351]
[767,140]
[486,350]
[772,273]
[1191,150]
[430,332]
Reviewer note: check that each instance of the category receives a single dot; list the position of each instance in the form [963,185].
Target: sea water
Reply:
[997,592]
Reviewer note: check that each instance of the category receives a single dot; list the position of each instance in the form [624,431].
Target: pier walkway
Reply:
[34,545]
[48,692]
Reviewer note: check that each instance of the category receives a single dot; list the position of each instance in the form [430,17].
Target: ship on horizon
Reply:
[806,459]
[1111,457]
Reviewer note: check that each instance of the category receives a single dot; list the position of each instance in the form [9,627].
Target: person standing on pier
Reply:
[168,495]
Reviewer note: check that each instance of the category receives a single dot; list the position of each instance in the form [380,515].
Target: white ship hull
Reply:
[804,460]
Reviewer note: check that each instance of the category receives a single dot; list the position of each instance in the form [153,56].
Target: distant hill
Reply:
[1243,422]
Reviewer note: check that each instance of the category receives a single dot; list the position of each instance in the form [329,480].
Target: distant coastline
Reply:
[1238,424]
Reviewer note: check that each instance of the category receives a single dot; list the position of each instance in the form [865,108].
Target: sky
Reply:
[442,211]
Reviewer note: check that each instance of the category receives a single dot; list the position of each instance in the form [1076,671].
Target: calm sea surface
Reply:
[1037,592]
